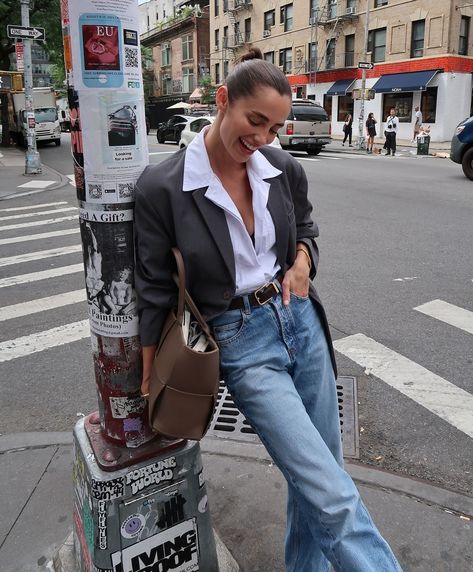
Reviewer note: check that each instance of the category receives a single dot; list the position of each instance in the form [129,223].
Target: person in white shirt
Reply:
[390,132]
[418,122]
[238,211]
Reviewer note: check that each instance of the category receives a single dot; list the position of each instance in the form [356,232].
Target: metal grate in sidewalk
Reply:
[229,423]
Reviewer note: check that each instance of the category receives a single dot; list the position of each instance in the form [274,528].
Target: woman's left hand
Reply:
[296,278]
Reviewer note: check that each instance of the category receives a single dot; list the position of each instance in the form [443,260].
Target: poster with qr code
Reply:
[115,145]
[105,44]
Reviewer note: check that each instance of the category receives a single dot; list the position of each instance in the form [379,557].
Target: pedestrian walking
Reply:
[238,211]
[348,129]
[418,122]
[390,132]
[370,132]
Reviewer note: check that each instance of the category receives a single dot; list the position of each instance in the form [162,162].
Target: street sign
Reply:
[5,81]
[25,32]
[366,65]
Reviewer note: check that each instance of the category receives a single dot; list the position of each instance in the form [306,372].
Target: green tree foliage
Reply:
[148,72]
[208,89]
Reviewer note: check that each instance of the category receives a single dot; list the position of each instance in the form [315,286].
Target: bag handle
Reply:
[184,296]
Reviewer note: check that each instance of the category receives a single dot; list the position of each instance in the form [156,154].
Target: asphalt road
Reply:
[396,233]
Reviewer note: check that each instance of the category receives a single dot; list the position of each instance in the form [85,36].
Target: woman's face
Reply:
[251,122]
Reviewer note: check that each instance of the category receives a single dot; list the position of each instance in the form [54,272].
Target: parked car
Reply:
[307,128]
[461,149]
[193,127]
[171,129]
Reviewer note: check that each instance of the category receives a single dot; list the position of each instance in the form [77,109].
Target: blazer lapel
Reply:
[280,219]
[216,222]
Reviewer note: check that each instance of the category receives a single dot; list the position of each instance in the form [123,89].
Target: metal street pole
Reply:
[32,160]
[361,122]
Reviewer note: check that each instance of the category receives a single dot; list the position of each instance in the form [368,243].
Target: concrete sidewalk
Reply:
[16,184]
[404,148]
[429,528]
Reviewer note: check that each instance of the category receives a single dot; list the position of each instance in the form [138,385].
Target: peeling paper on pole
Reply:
[109,280]
[115,143]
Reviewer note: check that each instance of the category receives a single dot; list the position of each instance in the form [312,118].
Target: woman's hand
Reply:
[296,278]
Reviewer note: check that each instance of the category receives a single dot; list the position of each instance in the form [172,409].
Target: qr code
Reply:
[95,191]
[125,190]
[131,57]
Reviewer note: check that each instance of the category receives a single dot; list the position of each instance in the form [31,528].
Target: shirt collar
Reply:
[198,172]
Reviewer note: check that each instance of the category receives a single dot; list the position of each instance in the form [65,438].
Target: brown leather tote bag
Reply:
[184,382]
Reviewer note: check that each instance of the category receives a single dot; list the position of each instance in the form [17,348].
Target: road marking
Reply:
[41,305]
[43,275]
[29,207]
[436,394]
[34,343]
[36,184]
[162,153]
[72,180]
[307,159]
[448,313]
[42,236]
[26,215]
[39,255]
[38,223]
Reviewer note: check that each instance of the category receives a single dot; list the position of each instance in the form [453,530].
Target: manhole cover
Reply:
[229,423]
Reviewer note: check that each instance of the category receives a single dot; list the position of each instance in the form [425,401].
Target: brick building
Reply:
[421,51]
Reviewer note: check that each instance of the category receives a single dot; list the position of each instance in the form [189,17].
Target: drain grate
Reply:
[229,423]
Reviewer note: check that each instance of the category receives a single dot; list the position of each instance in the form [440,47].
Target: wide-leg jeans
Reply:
[276,364]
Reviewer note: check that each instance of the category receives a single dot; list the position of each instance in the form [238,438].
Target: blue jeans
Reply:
[276,364]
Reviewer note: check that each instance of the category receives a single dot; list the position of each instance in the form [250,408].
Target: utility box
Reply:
[423,142]
[152,515]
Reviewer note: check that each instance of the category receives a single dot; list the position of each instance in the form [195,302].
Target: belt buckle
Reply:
[256,292]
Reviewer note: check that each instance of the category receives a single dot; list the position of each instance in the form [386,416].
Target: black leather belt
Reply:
[259,297]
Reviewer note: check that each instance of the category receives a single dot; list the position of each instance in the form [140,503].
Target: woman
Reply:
[347,128]
[370,132]
[239,213]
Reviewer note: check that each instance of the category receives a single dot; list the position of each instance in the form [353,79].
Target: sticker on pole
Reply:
[108,261]
[175,549]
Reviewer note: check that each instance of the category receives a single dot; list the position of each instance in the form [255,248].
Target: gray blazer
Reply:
[166,217]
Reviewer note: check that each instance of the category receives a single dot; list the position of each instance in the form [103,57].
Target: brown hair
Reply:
[252,72]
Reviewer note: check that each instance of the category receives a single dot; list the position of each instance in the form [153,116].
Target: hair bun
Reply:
[253,53]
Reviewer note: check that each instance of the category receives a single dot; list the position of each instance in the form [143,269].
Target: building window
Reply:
[332,9]
[216,3]
[269,20]
[351,6]
[237,33]
[428,105]
[269,57]
[248,30]
[402,103]
[350,51]
[286,17]
[417,40]
[187,80]
[312,63]
[328,105]
[166,84]
[464,36]
[225,5]
[187,47]
[313,11]
[378,3]
[330,54]
[285,60]
[345,106]
[225,69]
[216,38]
[165,55]
[377,45]
[225,37]
[217,74]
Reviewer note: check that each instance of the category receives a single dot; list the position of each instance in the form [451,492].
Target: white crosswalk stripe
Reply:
[436,394]
[41,305]
[448,313]
[26,215]
[38,223]
[34,343]
[30,256]
[42,275]
[42,236]
[29,207]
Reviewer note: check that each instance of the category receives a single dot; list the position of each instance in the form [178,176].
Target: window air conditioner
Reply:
[350,11]
[266,33]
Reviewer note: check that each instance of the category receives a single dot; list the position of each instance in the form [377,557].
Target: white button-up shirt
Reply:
[254,264]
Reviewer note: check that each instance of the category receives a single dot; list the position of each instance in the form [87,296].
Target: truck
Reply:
[47,126]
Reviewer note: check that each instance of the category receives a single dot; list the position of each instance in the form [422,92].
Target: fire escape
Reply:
[233,42]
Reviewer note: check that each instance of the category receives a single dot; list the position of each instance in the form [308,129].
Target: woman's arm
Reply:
[148,357]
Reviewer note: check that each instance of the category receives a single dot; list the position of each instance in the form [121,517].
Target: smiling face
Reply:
[250,122]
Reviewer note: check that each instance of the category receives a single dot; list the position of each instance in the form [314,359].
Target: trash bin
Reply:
[423,142]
